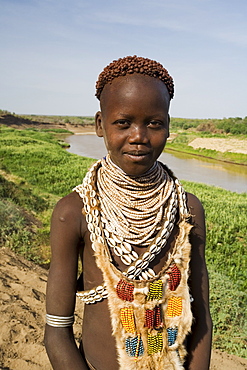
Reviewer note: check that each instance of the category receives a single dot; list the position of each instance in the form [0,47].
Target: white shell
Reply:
[90,227]
[95,212]
[126,259]
[131,269]
[98,231]
[168,215]
[127,246]
[151,272]
[152,257]
[93,202]
[125,250]
[92,193]
[144,275]
[98,297]
[100,289]
[137,272]
[158,250]
[93,237]
[170,227]
[138,263]
[166,224]
[153,248]
[132,257]
[107,234]
[83,191]
[81,295]
[105,294]
[164,234]
[118,251]
[146,256]
[144,265]
[96,221]
[89,218]
[92,292]
[94,246]
[131,276]
[111,241]
[135,254]
[158,240]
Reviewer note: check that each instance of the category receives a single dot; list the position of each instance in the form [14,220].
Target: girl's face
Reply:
[134,121]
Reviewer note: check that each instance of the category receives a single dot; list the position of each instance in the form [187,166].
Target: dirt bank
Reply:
[22,295]
[220,144]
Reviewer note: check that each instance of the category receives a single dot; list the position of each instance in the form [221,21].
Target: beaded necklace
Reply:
[123,212]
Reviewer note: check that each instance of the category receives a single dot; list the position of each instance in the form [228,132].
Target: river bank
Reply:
[222,145]
[198,145]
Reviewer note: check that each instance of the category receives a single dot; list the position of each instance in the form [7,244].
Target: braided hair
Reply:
[134,64]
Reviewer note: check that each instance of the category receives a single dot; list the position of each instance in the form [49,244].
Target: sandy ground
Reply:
[221,145]
[22,295]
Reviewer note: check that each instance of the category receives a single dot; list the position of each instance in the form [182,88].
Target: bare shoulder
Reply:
[69,205]
[68,217]
[194,202]
[196,211]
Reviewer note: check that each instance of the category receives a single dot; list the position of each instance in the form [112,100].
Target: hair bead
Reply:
[134,64]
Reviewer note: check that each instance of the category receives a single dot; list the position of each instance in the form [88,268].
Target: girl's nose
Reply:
[138,134]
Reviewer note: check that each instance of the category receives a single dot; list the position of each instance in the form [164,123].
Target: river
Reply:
[224,175]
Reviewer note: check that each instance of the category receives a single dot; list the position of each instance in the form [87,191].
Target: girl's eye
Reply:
[155,124]
[122,123]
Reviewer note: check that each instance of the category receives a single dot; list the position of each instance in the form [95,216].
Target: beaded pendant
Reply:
[174,307]
[174,277]
[172,335]
[134,346]
[127,319]
[155,343]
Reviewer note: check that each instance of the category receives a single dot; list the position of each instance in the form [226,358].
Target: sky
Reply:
[52,52]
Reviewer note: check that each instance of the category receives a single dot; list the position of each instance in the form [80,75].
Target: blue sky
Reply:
[53,50]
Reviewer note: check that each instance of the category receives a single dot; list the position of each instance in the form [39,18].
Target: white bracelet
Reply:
[59,321]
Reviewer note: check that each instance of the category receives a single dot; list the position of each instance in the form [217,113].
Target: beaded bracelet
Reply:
[59,321]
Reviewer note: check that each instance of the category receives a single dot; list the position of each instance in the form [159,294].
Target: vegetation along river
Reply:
[225,175]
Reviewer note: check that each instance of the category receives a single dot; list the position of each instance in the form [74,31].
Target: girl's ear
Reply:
[168,132]
[98,124]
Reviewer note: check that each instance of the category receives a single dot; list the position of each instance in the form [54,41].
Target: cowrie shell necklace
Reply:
[112,188]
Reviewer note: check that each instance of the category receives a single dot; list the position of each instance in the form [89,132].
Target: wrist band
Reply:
[59,321]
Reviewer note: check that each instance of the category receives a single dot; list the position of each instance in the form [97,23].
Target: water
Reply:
[186,167]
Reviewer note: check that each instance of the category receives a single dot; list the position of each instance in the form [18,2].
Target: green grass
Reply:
[36,171]
[74,120]
[226,221]
[40,159]
[232,125]
[228,311]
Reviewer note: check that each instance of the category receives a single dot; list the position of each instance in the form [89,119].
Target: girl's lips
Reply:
[137,156]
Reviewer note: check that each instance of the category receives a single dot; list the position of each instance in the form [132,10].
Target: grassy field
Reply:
[36,171]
